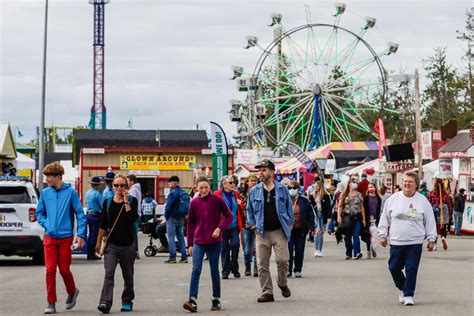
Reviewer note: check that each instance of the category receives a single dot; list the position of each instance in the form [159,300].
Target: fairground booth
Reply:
[152,155]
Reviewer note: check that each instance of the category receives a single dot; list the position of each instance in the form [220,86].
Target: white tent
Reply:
[377,165]
[23,162]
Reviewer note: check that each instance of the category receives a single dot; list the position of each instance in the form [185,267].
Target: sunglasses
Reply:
[231,182]
[121,185]
[293,188]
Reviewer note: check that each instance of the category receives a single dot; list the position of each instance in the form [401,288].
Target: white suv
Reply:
[20,233]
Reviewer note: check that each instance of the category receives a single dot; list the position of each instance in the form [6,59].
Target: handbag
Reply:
[105,240]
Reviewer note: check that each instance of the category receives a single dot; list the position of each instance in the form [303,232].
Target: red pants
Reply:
[58,253]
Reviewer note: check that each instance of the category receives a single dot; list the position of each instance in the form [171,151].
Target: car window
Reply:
[13,195]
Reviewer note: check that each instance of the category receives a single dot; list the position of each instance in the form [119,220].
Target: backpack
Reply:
[184,202]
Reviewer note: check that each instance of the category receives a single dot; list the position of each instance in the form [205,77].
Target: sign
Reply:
[219,154]
[399,166]
[445,168]
[144,172]
[426,145]
[472,170]
[157,162]
[93,151]
[246,156]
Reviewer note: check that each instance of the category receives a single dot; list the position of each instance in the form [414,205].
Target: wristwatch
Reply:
[126,203]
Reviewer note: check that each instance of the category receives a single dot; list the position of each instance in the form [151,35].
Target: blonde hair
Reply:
[120,176]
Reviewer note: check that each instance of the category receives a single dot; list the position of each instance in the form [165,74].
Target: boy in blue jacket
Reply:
[57,207]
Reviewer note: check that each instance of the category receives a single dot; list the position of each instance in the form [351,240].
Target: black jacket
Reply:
[307,214]
[366,210]
[325,206]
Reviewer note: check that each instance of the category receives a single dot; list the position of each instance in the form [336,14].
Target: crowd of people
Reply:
[260,214]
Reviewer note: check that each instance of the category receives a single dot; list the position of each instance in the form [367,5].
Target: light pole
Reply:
[43,99]
[407,78]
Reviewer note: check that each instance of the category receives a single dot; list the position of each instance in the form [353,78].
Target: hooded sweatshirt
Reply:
[56,210]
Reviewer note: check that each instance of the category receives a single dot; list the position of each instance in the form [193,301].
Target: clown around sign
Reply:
[157,162]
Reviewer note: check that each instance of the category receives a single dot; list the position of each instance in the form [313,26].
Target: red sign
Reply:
[379,127]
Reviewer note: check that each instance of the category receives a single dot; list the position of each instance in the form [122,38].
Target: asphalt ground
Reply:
[330,286]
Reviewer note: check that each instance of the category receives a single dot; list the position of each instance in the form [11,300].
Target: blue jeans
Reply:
[174,228]
[93,221]
[230,251]
[213,251]
[319,224]
[457,222]
[352,241]
[137,224]
[296,248]
[407,257]
[249,249]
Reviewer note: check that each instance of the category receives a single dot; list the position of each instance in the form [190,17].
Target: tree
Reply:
[442,96]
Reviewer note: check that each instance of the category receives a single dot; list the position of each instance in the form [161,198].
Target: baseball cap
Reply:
[265,163]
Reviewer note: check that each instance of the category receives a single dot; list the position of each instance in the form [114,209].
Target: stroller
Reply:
[150,229]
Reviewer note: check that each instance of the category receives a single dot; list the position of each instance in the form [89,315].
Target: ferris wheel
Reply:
[313,84]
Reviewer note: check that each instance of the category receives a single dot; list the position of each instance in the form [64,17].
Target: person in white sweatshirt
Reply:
[408,220]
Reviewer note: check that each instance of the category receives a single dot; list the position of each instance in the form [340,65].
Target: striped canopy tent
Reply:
[292,165]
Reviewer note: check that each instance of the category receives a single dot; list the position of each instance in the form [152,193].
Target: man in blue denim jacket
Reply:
[270,211]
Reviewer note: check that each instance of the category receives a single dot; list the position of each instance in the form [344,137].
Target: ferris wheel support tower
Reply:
[98,118]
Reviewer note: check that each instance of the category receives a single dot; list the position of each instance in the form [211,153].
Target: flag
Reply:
[219,154]
[379,128]
[20,134]
[130,123]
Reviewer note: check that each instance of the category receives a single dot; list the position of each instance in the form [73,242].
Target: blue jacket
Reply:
[108,193]
[284,208]
[94,200]
[55,212]
[172,204]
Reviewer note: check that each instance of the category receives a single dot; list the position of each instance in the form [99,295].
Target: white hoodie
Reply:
[407,220]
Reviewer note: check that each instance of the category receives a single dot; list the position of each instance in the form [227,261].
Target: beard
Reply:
[265,179]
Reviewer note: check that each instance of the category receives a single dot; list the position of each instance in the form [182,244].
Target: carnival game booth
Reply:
[152,155]
[332,156]
[456,163]
[376,171]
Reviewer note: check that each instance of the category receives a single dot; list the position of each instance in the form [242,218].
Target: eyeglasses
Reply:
[121,185]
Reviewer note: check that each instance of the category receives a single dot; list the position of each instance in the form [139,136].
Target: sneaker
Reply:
[445,244]
[225,276]
[104,308]
[320,255]
[247,272]
[183,261]
[348,258]
[171,261]
[236,274]
[298,275]
[401,297]
[285,291]
[50,309]
[72,300]
[409,301]
[369,255]
[126,307]
[191,306]
[316,254]
[216,305]
[255,273]
[266,298]
[358,256]
[289,275]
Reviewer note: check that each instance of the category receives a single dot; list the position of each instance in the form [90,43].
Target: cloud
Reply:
[168,62]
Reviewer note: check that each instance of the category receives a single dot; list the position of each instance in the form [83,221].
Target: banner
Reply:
[219,154]
[380,129]
[157,162]
[445,168]
[426,145]
[246,156]
[298,153]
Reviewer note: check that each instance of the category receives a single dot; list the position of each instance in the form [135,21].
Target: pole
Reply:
[43,99]
[418,124]
[277,35]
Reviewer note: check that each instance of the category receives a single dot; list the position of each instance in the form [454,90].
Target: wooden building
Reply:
[152,155]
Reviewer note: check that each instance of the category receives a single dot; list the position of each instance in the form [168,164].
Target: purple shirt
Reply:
[204,217]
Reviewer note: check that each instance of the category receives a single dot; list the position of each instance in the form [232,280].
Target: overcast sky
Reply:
[168,62]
